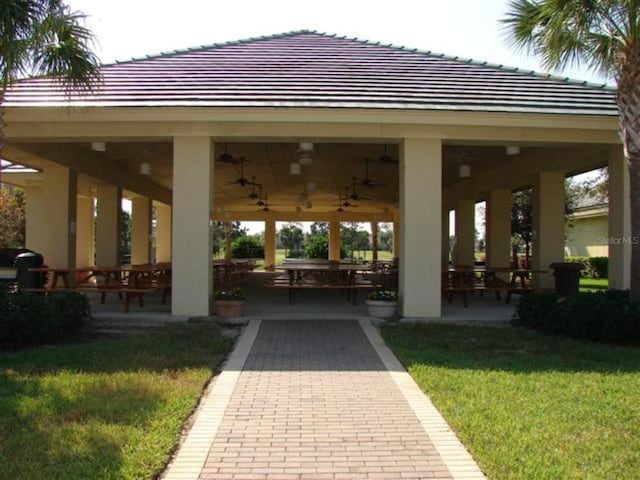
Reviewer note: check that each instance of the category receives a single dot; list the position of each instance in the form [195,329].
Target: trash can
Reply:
[567,277]
[24,277]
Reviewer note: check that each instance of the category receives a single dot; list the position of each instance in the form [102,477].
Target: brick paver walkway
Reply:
[314,400]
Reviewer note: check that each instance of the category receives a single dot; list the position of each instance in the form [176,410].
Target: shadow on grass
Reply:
[76,411]
[513,349]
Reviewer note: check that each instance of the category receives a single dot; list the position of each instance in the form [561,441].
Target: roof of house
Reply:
[310,69]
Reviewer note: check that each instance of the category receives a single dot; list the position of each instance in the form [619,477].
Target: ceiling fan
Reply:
[354,195]
[253,195]
[344,201]
[242,181]
[386,159]
[263,203]
[226,157]
[367,182]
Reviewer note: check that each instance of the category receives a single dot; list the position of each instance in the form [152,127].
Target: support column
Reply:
[548,225]
[140,230]
[192,212]
[499,228]
[269,244]
[420,236]
[85,237]
[334,241]
[465,232]
[59,195]
[108,225]
[163,233]
[395,252]
[619,240]
[445,238]
[35,220]
[374,240]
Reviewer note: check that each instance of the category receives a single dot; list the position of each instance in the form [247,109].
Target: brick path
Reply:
[315,400]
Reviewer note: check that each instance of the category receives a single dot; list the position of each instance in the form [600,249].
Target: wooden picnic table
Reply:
[57,274]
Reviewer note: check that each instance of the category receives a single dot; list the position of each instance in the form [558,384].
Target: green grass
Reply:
[593,284]
[528,406]
[111,409]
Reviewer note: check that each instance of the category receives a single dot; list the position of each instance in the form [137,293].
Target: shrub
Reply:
[317,246]
[599,266]
[27,319]
[609,317]
[234,294]
[247,247]
[586,266]
[384,296]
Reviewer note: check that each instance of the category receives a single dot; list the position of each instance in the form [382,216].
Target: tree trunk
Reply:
[629,108]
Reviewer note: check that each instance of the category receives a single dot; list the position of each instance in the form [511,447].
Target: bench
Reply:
[283,281]
[128,293]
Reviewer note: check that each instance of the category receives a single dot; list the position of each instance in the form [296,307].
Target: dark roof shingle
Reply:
[308,69]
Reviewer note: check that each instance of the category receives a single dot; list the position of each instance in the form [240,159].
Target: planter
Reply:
[229,308]
[381,309]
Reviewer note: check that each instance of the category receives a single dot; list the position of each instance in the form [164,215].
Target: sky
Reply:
[127,29]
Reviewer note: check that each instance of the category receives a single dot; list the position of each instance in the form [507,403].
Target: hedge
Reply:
[247,247]
[27,319]
[608,317]
[593,267]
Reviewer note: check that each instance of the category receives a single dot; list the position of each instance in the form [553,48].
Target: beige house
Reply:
[439,133]
[588,232]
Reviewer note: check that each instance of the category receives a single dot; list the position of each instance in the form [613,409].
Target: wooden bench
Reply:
[128,293]
[47,290]
[283,281]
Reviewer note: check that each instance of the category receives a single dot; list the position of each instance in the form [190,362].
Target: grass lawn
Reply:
[108,409]
[528,406]
[593,284]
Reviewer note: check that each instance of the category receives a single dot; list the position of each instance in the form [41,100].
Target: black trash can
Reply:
[24,277]
[567,277]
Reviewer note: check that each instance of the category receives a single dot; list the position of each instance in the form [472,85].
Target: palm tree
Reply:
[605,36]
[43,38]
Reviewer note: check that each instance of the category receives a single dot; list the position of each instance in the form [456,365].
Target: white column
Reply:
[269,244]
[465,232]
[163,233]
[619,221]
[548,225]
[108,225]
[59,192]
[499,228]
[444,247]
[35,221]
[192,212]
[395,252]
[140,230]
[85,237]
[334,241]
[374,240]
[420,236]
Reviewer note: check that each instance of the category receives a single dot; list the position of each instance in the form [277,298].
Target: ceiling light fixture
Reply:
[512,150]
[99,146]
[145,168]
[295,168]
[311,186]
[464,171]
[305,147]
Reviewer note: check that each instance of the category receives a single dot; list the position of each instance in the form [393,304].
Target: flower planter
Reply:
[381,309]
[229,308]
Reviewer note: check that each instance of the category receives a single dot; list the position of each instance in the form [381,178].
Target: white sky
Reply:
[464,28]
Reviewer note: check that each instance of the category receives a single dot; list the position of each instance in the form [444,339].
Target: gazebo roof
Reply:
[308,69]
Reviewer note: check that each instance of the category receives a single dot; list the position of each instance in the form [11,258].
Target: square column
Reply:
[395,251]
[499,228]
[445,238]
[619,221]
[465,233]
[140,230]
[420,227]
[108,225]
[374,240]
[269,244]
[59,195]
[163,233]
[35,220]
[334,241]
[85,237]
[192,274]
[548,225]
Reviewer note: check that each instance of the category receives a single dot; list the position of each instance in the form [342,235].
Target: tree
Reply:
[354,238]
[44,38]
[319,228]
[604,35]
[218,235]
[12,217]
[291,238]
[125,236]
[385,237]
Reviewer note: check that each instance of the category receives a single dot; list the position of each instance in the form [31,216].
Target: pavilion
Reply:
[437,133]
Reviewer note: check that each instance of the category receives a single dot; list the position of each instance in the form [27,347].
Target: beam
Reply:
[303,217]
